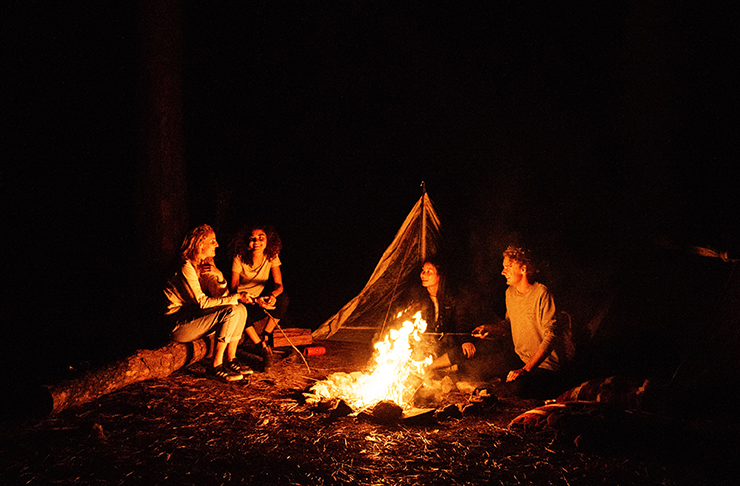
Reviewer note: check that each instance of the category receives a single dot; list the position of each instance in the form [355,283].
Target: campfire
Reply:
[395,377]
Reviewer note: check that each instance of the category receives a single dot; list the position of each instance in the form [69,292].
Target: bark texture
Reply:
[143,365]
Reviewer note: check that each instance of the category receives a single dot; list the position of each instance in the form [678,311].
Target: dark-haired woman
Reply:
[256,271]
[451,320]
[198,303]
[439,307]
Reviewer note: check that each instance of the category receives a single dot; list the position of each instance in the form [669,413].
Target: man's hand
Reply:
[483,330]
[514,374]
[468,350]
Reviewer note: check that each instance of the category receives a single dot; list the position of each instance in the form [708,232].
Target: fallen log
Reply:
[143,365]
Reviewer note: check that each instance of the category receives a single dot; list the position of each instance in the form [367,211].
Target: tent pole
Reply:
[423,245]
[393,296]
[422,255]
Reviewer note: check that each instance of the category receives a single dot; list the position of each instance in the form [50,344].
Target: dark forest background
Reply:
[604,136]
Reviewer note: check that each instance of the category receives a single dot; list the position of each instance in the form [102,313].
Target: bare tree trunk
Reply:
[143,365]
[163,212]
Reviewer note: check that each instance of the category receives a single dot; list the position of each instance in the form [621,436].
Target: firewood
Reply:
[387,412]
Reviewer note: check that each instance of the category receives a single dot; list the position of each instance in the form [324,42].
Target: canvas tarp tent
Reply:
[364,317]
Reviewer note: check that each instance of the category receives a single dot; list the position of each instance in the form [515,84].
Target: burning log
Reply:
[143,365]
[341,410]
[396,375]
[451,411]
[387,412]
[395,389]
[419,416]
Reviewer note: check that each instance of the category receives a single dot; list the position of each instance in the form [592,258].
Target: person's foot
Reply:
[222,373]
[237,367]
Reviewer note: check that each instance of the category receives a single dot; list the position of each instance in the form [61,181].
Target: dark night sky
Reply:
[590,131]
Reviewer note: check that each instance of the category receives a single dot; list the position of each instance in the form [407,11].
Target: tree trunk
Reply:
[162,191]
[145,364]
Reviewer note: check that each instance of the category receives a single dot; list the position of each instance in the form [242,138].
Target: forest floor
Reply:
[189,429]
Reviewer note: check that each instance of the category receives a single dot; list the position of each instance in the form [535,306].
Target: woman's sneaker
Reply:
[224,374]
[235,366]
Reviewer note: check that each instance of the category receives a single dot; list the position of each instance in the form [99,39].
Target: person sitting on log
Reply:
[192,313]
[255,270]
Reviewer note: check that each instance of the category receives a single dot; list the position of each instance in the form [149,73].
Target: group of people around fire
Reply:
[528,351]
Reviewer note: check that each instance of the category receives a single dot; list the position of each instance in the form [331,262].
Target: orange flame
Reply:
[393,376]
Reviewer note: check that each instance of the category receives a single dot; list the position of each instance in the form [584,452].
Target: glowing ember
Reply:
[394,378]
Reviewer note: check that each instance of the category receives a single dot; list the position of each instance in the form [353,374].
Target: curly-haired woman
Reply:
[256,271]
[199,303]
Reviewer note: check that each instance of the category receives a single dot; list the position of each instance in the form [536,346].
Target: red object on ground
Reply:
[314,351]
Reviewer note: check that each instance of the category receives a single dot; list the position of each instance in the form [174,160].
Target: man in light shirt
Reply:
[541,336]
